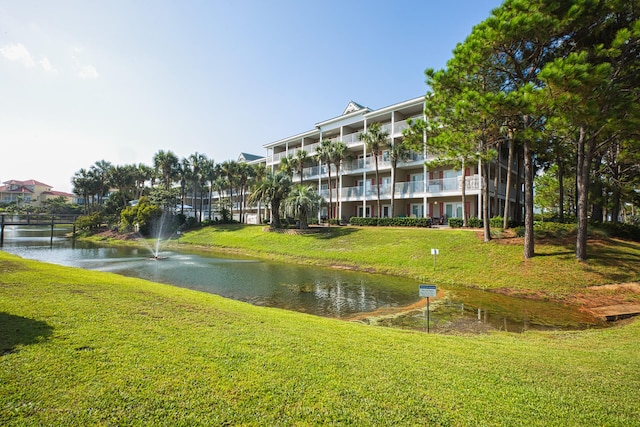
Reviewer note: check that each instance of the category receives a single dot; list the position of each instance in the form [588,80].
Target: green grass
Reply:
[84,348]
[463,260]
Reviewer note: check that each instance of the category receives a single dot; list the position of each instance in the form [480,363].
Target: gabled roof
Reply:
[27,182]
[20,189]
[248,157]
[353,106]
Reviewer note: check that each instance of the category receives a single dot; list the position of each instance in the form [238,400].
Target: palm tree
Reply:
[272,190]
[220,185]
[82,187]
[210,174]
[228,169]
[197,162]
[102,172]
[143,174]
[376,141]
[244,173]
[259,173]
[324,155]
[301,159]
[302,201]
[398,151]
[183,172]
[288,165]
[338,154]
[166,163]
[124,179]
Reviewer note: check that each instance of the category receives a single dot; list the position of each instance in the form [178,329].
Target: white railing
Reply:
[351,139]
[311,148]
[405,190]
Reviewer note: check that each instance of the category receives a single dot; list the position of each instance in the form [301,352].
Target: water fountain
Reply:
[161,233]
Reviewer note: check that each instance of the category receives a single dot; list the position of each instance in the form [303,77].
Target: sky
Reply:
[119,80]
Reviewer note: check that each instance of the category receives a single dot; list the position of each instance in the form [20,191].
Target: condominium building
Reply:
[30,192]
[419,191]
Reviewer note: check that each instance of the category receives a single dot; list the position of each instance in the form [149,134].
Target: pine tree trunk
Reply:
[485,206]
[507,193]
[560,164]
[518,209]
[585,154]
[529,250]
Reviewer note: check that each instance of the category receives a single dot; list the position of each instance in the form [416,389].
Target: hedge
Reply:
[391,222]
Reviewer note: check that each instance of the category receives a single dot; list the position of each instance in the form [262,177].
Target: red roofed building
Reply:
[31,191]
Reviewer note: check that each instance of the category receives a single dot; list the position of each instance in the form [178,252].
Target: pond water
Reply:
[370,298]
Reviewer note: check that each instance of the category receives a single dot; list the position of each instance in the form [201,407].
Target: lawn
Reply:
[84,348]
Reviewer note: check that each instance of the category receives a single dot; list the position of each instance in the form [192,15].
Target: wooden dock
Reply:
[36,220]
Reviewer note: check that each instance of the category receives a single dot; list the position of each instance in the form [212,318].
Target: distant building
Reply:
[30,192]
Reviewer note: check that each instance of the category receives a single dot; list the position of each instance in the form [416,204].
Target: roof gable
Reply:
[351,107]
[246,157]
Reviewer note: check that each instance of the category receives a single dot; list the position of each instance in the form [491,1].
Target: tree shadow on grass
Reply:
[333,232]
[16,330]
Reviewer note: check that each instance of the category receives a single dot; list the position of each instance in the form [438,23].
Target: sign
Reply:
[428,291]
[434,252]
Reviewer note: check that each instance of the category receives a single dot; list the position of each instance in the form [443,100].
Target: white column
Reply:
[320,180]
[339,180]
[364,175]
[424,167]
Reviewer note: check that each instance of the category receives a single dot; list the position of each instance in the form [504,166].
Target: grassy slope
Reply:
[82,348]
[463,260]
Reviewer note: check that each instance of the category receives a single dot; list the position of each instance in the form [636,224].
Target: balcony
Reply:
[399,126]
[406,190]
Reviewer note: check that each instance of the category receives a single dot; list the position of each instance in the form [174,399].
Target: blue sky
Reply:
[82,81]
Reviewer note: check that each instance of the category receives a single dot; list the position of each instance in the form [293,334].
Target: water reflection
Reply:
[373,299]
[306,289]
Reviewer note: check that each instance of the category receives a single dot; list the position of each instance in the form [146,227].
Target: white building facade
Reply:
[419,191]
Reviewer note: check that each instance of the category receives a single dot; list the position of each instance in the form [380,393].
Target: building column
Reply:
[364,175]
[339,180]
[424,173]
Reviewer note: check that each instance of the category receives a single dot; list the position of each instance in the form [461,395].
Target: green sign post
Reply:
[428,291]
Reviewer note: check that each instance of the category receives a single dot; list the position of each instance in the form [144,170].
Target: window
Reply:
[453,210]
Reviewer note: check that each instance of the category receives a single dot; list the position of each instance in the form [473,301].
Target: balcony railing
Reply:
[405,190]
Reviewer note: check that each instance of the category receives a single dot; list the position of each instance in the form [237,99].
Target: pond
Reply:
[369,298]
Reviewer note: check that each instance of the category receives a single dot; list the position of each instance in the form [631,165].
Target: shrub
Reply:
[455,222]
[474,222]
[553,229]
[496,222]
[143,214]
[89,222]
[362,221]
[622,230]
[190,222]
[391,222]
[519,231]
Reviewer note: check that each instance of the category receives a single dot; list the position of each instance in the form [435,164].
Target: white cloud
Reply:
[87,72]
[84,71]
[17,52]
[46,65]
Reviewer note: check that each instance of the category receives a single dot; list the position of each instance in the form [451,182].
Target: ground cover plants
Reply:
[89,348]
